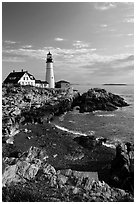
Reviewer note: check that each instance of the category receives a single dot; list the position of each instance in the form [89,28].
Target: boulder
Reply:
[9,176]
[26,168]
[99,99]
[121,168]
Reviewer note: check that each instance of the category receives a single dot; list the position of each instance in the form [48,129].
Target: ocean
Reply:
[116,126]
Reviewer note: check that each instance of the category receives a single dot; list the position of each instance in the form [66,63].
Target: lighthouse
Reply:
[49,71]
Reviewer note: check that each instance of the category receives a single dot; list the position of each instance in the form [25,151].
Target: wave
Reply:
[109,145]
[74,132]
[106,115]
[71,121]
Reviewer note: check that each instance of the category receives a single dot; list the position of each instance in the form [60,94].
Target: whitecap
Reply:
[73,132]
[109,145]
[71,121]
[106,115]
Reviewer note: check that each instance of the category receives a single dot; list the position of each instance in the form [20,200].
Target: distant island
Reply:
[115,84]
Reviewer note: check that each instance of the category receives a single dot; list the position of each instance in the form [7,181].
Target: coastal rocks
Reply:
[89,142]
[27,105]
[26,167]
[75,155]
[49,184]
[122,167]
[99,99]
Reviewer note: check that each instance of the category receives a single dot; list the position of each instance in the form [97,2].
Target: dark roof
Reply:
[14,77]
[41,82]
[62,81]
[31,76]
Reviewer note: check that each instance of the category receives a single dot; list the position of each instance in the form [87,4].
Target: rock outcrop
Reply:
[100,99]
[122,167]
[23,105]
[32,178]
[35,156]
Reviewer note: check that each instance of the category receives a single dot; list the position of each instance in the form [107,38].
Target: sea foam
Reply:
[73,132]
[106,115]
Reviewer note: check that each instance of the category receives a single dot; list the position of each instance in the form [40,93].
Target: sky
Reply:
[90,42]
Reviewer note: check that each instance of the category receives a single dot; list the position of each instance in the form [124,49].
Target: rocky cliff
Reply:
[31,178]
[42,163]
[23,105]
[100,99]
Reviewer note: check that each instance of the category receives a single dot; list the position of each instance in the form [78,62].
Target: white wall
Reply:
[50,74]
[26,80]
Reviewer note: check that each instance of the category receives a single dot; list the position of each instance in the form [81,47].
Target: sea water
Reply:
[116,126]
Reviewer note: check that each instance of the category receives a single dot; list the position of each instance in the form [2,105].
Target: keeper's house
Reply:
[24,78]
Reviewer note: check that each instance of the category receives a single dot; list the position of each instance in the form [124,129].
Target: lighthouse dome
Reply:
[49,57]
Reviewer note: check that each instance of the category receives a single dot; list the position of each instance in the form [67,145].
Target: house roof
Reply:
[62,81]
[41,82]
[14,77]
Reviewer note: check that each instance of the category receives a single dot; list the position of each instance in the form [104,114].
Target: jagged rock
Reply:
[99,99]
[49,170]
[35,152]
[10,176]
[22,105]
[121,168]
[89,141]
[27,170]
[10,161]
[27,167]
[62,179]
[74,157]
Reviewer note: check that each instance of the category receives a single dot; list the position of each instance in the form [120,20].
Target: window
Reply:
[12,78]
[24,78]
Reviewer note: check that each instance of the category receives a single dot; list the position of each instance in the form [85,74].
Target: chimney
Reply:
[13,71]
[22,70]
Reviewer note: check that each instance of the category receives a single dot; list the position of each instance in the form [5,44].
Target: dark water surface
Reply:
[115,125]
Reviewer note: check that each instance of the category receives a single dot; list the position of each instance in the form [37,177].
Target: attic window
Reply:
[12,78]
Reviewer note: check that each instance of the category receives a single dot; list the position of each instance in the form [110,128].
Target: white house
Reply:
[22,78]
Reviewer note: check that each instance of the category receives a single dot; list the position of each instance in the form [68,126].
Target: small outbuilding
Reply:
[41,84]
[62,84]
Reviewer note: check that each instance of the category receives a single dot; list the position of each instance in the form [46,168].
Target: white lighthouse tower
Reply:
[49,71]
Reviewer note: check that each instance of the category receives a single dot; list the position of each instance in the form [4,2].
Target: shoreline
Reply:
[82,153]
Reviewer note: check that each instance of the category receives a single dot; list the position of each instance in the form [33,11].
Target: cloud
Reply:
[59,39]
[77,63]
[129,46]
[79,44]
[104,25]
[9,42]
[81,53]
[128,20]
[27,46]
[102,6]
[13,59]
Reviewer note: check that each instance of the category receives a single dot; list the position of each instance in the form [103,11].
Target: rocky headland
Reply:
[43,163]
